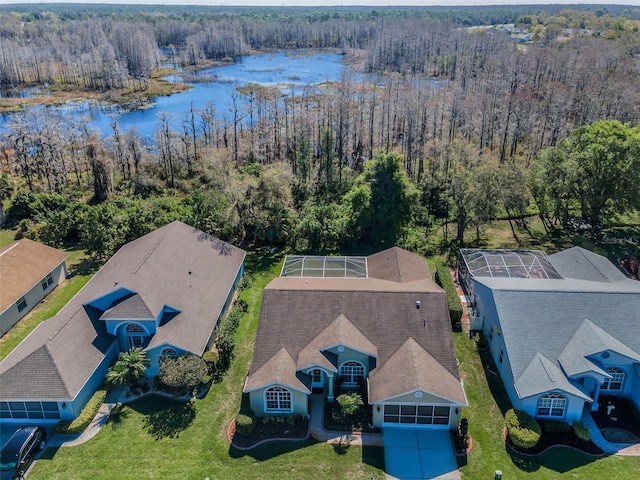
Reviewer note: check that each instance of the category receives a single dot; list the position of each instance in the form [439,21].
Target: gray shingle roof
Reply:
[129,307]
[543,375]
[582,264]
[176,265]
[546,317]
[295,311]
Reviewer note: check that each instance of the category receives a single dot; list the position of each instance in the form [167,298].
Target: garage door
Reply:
[416,414]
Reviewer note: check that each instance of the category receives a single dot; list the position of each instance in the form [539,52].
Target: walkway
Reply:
[316,427]
[624,449]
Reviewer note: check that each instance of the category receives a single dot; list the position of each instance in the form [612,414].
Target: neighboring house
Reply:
[164,292]
[379,319]
[29,271]
[563,329]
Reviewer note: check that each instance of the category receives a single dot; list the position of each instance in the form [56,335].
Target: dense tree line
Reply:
[460,125]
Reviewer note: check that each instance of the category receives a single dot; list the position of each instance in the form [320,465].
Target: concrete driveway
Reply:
[412,453]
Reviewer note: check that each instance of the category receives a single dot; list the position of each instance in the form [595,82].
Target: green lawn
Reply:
[156,438]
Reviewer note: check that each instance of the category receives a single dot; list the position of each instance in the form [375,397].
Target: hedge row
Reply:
[581,431]
[524,430]
[83,420]
[443,278]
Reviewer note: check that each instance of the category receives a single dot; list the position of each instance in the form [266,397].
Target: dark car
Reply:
[18,452]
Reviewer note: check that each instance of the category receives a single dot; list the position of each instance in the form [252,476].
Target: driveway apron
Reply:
[411,453]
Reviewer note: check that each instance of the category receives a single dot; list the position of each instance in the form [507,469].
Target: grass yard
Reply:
[157,438]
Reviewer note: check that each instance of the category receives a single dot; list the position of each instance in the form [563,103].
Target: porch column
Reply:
[596,394]
[330,385]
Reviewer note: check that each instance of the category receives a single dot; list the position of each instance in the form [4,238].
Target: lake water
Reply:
[290,68]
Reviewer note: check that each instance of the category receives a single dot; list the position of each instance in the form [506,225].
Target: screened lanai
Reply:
[503,263]
[324,267]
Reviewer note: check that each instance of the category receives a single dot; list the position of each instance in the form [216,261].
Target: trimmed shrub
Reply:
[524,431]
[443,278]
[185,371]
[581,431]
[82,421]
[245,425]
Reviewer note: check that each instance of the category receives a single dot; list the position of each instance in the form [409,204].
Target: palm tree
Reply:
[129,367]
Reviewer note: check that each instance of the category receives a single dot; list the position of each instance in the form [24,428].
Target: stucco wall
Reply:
[299,401]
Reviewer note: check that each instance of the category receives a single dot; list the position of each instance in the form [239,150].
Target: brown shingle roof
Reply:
[382,312]
[281,369]
[175,265]
[411,368]
[339,332]
[24,264]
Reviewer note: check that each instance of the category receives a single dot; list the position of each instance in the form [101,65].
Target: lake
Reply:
[292,69]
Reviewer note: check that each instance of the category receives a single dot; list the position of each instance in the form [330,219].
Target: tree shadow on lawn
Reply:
[164,417]
[559,459]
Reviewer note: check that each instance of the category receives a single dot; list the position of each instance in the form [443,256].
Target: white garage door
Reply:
[416,414]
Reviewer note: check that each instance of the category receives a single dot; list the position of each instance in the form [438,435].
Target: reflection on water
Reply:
[287,68]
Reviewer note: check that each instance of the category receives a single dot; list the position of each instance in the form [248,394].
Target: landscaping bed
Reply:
[272,428]
[623,415]
[554,435]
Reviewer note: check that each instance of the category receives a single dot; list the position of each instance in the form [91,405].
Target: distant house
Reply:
[563,329]
[164,292]
[381,319]
[29,271]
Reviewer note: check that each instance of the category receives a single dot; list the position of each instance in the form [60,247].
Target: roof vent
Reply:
[418,304]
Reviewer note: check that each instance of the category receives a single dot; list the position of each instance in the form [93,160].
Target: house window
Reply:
[167,353]
[317,376]
[46,282]
[135,335]
[616,380]
[501,355]
[352,372]
[491,334]
[277,399]
[552,405]
[21,304]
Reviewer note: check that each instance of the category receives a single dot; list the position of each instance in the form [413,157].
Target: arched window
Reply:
[352,372]
[135,335]
[552,405]
[616,380]
[167,353]
[277,399]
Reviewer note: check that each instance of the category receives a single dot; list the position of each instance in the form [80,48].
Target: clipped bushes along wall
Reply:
[524,430]
[581,431]
[82,421]
[245,425]
[443,278]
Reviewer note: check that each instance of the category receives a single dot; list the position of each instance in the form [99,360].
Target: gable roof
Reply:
[578,263]
[528,309]
[280,369]
[412,368]
[339,332]
[175,265]
[23,264]
[129,307]
[542,375]
[378,312]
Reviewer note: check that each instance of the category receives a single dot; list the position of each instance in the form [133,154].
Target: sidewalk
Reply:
[115,396]
[316,428]
[623,449]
